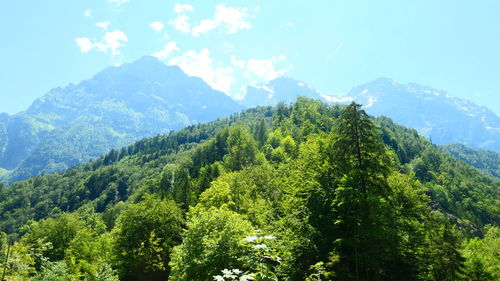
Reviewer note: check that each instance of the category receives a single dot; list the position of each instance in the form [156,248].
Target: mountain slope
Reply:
[203,144]
[435,114]
[72,125]
[285,171]
[484,160]
[282,89]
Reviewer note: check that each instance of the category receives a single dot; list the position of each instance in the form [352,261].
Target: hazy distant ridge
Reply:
[434,113]
[119,105]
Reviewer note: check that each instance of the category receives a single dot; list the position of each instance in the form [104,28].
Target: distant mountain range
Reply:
[434,113]
[71,125]
[282,89]
[119,105]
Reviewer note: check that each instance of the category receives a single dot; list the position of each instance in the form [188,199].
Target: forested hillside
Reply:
[485,160]
[119,105]
[306,191]
[434,113]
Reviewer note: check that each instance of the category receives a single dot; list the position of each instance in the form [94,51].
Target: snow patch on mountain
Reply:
[337,99]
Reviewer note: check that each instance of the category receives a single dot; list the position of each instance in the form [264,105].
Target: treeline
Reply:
[305,191]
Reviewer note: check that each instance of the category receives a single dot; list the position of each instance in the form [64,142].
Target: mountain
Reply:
[301,190]
[282,89]
[435,114]
[485,160]
[119,105]
[71,125]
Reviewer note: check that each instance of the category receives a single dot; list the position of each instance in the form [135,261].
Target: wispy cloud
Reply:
[181,8]
[181,23]
[87,13]
[104,25]
[156,25]
[227,78]
[232,19]
[260,70]
[200,64]
[84,44]
[118,2]
[228,19]
[111,41]
[336,51]
[169,48]
[203,27]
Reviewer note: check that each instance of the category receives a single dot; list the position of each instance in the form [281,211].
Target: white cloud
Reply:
[156,25]
[88,13]
[230,20]
[238,63]
[169,48]
[84,44]
[111,41]
[260,70]
[181,23]
[203,27]
[118,2]
[230,79]
[200,64]
[104,25]
[180,8]
[263,69]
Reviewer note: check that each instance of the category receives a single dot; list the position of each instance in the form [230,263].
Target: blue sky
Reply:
[332,45]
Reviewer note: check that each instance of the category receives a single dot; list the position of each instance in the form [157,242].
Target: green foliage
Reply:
[144,237]
[363,216]
[90,252]
[53,271]
[175,183]
[455,187]
[242,149]
[57,232]
[349,198]
[484,160]
[262,260]
[444,250]
[212,242]
[286,150]
[261,132]
[3,249]
[481,256]
[21,262]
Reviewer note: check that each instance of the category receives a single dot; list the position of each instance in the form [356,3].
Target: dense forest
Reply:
[485,160]
[306,191]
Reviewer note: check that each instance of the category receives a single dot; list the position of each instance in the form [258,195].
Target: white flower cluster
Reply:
[233,274]
[258,235]
[257,239]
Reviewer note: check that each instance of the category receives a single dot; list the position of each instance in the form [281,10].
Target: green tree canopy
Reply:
[144,237]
